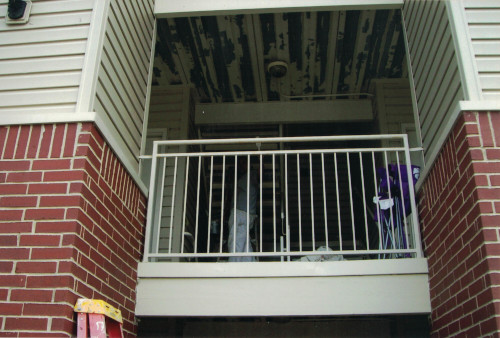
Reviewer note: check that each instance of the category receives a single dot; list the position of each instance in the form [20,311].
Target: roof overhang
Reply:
[171,9]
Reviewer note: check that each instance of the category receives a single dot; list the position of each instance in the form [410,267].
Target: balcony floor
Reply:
[365,287]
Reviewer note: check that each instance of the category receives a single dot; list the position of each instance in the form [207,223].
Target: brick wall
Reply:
[460,215]
[72,223]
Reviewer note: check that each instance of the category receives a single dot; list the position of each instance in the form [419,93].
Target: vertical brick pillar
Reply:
[460,215]
[71,226]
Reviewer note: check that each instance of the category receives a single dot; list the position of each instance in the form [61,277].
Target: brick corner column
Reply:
[460,216]
[72,226]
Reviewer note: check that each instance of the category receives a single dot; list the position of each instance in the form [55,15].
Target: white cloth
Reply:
[240,245]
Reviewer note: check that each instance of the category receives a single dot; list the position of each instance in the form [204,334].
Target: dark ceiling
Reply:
[225,57]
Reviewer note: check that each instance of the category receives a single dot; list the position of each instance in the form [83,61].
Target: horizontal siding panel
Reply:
[35,65]
[43,35]
[486,47]
[49,20]
[490,81]
[488,64]
[38,97]
[485,31]
[481,4]
[483,16]
[39,81]
[493,95]
[46,109]
[59,6]
[43,49]
[129,99]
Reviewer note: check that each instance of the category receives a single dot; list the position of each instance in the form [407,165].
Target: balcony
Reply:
[332,228]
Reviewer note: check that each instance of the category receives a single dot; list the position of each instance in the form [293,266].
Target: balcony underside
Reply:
[398,286]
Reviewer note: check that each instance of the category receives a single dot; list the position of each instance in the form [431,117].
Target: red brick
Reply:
[14,253]
[51,164]
[73,268]
[26,323]
[23,295]
[495,121]
[73,175]
[69,146]
[40,240]
[60,310]
[49,281]
[48,188]
[52,253]
[36,267]
[57,227]
[11,309]
[61,324]
[486,133]
[36,131]
[58,141]
[3,137]
[486,167]
[14,165]
[11,215]
[488,193]
[17,227]
[65,296]
[22,142]
[10,145]
[6,267]
[44,214]
[43,152]
[30,176]
[3,296]
[13,189]
[60,201]
[8,240]
[13,202]
[13,280]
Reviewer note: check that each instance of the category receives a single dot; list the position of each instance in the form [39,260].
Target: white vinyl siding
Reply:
[171,111]
[123,73]
[41,61]
[483,19]
[437,81]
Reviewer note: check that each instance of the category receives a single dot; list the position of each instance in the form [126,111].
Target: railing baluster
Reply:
[222,203]
[173,204]
[364,198]
[234,201]
[338,200]
[185,204]
[248,203]
[299,202]
[286,205]
[351,202]
[160,206]
[260,202]
[377,205]
[210,203]
[312,202]
[324,197]
[274,202]
[391,217]
[410,181]
[197,206]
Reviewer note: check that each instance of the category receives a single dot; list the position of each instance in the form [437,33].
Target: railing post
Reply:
[151,201]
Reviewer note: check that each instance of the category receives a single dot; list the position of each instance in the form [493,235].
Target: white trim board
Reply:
[172,9]
[114,142]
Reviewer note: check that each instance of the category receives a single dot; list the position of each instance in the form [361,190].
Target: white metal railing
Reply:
[316,198]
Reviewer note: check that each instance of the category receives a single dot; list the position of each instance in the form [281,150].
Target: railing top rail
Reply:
[283,139]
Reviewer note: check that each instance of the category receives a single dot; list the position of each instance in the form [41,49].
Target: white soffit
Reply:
[171,9]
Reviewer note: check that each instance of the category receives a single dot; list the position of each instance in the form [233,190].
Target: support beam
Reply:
[284,112]
[173,9]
